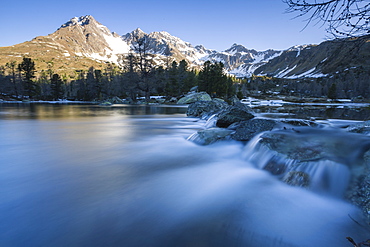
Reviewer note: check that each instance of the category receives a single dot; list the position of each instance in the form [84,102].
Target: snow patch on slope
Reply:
[286,71]
[117,45]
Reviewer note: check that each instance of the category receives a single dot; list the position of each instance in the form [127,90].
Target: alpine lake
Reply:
[126,175]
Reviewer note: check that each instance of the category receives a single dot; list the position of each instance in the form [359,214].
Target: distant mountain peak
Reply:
[138,31]
[237,48]
[82,21]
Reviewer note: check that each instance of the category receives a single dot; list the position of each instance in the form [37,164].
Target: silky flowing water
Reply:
[85,175]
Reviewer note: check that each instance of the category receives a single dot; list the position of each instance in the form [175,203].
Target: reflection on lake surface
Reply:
[43,111]
[87,175]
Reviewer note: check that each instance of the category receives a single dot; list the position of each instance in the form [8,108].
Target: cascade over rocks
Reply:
[319,159]
[300,153]
[307,144]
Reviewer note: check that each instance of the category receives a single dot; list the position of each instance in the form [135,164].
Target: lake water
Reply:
[86,175]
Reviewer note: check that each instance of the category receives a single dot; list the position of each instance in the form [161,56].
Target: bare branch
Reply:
[341,17]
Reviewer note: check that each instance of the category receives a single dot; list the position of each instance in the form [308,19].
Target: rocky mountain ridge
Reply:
[326,59]
[82,42]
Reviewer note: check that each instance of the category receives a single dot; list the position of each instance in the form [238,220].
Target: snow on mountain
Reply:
[164,44]
[83,42]
[99,43]
[86,37]
[240,61]
[83,20]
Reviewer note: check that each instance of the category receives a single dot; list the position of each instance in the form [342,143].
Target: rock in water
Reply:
[194,97]
[208,136]
[202,108]
[246,130]
[232,115]
[297,178]
[363,128]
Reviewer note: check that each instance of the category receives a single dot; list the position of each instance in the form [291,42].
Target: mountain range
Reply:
[83,42]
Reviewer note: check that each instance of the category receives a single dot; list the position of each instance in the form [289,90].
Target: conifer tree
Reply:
[12,66]
[172,84]
[214,81]
[57,89]
[27,68]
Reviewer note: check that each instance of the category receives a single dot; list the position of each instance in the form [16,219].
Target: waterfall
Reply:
[321,160]
[211,122]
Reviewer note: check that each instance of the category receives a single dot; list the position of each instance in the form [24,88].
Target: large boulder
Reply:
[246,130]
[194,97]
[208,136]
[233,114]
[205,108]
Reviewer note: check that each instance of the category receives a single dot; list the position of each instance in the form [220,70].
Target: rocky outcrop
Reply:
[204,109]
[194,97]
[246,130]
[232,115]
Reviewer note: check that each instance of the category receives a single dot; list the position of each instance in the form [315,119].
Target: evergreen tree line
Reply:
[141,78]
[138,78]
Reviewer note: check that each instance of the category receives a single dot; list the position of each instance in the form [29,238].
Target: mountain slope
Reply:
[76,45]
[327,58]
[84,36]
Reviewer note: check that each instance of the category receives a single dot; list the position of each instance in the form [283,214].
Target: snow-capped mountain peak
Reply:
[83,20]
[84,36]
[237,48]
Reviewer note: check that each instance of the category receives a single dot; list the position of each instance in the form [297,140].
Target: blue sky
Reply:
[256,24]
